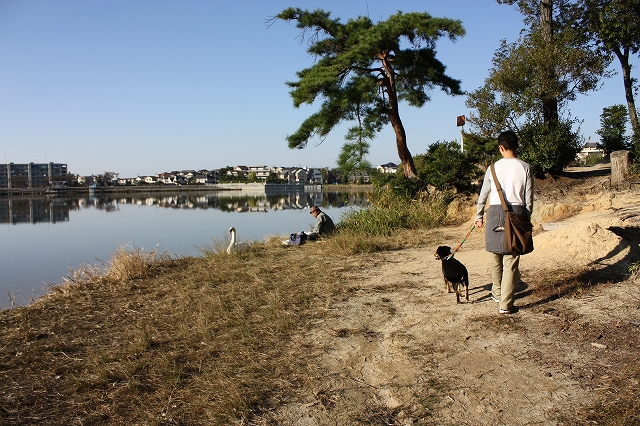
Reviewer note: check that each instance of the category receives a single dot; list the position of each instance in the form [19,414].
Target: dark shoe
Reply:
[494,298]
[509,311]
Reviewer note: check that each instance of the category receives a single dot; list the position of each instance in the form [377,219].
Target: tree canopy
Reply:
[364,70]
[615,25]
[613,122]
[533,79]
[520,82]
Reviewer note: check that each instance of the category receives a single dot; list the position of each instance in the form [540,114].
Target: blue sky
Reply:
[141,87]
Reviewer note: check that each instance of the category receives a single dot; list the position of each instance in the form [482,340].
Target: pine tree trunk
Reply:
[403,151]
[549,101]
[628,89]
[394,117]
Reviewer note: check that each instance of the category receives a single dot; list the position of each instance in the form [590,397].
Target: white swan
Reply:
[233,244]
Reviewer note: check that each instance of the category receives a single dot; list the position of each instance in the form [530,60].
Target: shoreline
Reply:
[250,187]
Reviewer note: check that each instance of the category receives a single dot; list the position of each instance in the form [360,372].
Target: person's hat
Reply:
[314,209]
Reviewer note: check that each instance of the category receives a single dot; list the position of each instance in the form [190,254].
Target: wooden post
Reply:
[619,166]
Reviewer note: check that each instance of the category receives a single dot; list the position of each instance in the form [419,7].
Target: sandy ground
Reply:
[400,351]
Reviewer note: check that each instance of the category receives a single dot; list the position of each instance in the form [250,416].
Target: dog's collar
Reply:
[449,256]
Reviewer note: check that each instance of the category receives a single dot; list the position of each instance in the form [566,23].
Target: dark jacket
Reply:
[324,224]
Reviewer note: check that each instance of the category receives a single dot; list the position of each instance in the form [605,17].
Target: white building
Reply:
[590,148]
[390,168]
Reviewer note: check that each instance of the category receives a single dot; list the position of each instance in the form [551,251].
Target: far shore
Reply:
[8,192]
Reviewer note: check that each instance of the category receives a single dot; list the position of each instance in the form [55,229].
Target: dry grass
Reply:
[146,339]
[618,401]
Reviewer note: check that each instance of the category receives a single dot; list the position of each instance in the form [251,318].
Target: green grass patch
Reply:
[390,212]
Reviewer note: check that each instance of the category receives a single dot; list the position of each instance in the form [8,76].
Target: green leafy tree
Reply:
[353,154]
[446,167]
[615,24]
[273,178]
[363,73]
[533,79]
[19,181]
[613,122]
[225,174]
[494,111]
[553,58]
[483,149]
[379,179]
[549,150]
[539,16]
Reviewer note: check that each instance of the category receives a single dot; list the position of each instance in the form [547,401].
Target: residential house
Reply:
[200,178]
[282,172]
[299,175]
[262,172]
[86,180]
[187,174]
[166,178]
[240,171]
[590,148]
[360,177]
[390,168]
[126,181]
[150,180]
[315,177]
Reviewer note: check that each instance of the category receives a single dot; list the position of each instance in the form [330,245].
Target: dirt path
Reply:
[400,351]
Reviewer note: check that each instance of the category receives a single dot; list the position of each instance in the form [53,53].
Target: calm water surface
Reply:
[43,238]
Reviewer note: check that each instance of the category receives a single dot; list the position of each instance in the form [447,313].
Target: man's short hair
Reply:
[508,140]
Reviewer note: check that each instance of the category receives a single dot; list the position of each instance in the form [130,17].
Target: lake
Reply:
[44,237]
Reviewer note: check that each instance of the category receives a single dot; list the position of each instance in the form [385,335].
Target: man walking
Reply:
[516,180]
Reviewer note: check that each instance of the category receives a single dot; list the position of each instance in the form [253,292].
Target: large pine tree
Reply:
[364,70]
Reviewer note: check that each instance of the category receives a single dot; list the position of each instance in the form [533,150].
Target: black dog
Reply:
[455,273]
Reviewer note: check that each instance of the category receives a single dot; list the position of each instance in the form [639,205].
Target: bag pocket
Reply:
[518,231]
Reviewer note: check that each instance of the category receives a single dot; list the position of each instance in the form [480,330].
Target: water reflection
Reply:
[19,210]
[176,222]
[33,210]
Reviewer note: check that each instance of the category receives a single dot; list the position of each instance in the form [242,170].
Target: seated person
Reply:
[324,225]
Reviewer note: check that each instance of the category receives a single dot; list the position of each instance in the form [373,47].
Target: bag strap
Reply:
[499,188]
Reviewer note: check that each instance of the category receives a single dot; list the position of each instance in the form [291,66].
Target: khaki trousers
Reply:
[505,275]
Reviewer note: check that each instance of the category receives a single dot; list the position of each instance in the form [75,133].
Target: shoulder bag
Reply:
[517,227]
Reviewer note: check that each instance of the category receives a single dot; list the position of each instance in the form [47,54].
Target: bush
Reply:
[593,159]
[549,150]
[389,212]
[443,166]
[447,168]
[635,147]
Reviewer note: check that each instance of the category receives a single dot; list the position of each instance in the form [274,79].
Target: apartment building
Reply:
[31,175]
